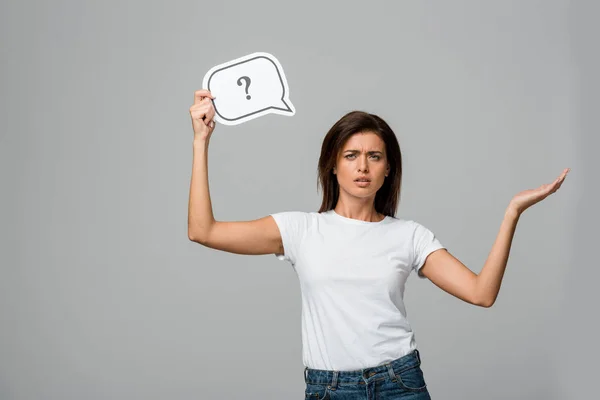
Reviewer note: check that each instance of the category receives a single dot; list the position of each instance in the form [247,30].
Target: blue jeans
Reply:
[398,379]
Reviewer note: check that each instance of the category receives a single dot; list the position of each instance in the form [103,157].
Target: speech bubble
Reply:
[247,88]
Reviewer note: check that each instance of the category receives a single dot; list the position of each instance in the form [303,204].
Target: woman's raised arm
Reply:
[259,236]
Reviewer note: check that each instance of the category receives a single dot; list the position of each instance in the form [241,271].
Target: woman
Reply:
[353,257]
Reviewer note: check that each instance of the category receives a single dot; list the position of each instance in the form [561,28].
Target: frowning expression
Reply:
[361,165]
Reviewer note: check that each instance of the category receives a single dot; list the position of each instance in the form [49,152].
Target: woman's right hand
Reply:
[203,113]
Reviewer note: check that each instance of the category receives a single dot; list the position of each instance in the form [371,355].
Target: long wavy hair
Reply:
[387,197]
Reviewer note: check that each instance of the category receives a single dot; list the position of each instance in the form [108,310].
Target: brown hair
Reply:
[388,196]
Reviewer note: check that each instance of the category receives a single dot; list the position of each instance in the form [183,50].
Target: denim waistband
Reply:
[360,376]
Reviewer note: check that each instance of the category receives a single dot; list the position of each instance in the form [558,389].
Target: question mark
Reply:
[247,80]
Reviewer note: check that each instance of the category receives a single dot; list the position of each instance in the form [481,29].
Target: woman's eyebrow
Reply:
[368,152]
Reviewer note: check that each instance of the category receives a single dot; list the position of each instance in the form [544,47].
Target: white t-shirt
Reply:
[352,275]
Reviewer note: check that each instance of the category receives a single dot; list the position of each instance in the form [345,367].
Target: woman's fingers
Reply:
[199,95]
[210,114]
[199,111]
[208,110]
[203,107]
[563,176]
[202,113]
[559,181]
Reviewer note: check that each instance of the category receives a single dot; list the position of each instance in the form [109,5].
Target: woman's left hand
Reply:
[522,201]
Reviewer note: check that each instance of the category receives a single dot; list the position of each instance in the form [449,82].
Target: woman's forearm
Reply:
[200,213]
[490,277]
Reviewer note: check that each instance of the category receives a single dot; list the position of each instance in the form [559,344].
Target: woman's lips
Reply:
[363,183]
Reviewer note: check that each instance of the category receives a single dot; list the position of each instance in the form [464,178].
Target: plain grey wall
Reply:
[102,295]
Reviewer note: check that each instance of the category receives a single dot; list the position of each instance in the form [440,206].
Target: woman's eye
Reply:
[352,155]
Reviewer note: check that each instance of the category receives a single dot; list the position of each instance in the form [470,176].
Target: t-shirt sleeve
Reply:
[424,243]
[292,227]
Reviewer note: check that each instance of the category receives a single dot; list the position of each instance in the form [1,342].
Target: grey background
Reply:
[102,295]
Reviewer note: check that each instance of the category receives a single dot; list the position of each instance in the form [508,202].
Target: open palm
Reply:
[527,198]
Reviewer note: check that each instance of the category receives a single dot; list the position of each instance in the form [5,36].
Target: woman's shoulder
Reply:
[295,213]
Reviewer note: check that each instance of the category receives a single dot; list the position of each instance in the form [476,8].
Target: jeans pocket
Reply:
[316,392]
[411,379]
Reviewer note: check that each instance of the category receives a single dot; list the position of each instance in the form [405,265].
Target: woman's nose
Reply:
[362,164]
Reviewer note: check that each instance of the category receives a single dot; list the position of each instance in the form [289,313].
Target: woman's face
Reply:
[363,155]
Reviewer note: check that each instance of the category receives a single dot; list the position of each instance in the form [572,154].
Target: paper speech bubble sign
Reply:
[247,88]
